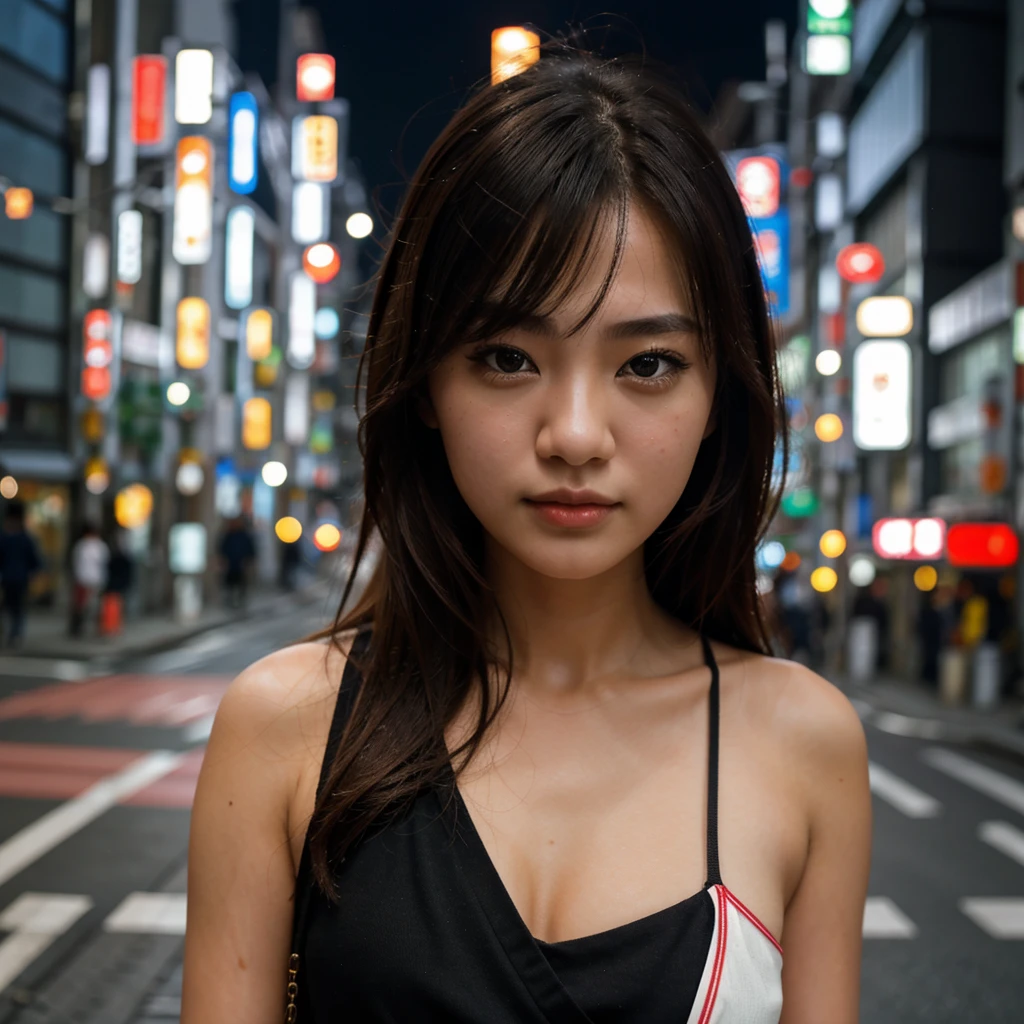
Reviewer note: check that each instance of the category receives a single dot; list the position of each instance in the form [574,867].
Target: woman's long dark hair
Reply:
[509,201]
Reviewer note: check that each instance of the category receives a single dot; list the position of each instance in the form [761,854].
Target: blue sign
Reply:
[772,237]
[243,143]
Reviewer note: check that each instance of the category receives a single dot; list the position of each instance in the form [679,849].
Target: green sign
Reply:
[830,17]
[800,503]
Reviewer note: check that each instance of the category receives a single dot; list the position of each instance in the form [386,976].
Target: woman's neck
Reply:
[574,635]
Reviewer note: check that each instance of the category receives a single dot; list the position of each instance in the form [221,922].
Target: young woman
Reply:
[545,771]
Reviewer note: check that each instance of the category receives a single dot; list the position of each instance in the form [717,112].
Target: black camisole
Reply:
[425,931]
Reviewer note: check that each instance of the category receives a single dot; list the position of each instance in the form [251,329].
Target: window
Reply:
[36,37]
[41,238]
[32,299]
[35,366]
[29,159]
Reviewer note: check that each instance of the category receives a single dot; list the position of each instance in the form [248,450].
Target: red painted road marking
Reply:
[51,772]
[168,701]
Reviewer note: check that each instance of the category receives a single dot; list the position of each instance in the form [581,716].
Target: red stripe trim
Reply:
[716,970]
[752,918]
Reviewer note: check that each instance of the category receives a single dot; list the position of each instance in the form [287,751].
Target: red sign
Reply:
[98,353]
[314,79]
[860,263]
[757,181]
[982,545]
[149,93]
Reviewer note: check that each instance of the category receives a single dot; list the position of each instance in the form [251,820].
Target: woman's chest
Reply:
[591,826]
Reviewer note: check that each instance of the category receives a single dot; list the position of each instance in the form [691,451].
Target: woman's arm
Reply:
[824,918]
[241,874]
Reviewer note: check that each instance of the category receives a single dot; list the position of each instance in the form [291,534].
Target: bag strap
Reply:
[305,884]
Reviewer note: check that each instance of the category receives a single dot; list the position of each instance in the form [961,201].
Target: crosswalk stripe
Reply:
[1001,917]
[906,798]
[49,831]
[884,920]
[985,780]
[150,913]
[37,920]
[1003,837]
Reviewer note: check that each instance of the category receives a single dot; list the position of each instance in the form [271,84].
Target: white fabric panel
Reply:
[742,980]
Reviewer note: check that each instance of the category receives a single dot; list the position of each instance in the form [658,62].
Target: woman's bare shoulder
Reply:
[796,706]
[286,696]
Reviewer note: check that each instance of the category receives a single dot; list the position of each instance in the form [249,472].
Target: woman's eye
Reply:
[654,365]
[504,360]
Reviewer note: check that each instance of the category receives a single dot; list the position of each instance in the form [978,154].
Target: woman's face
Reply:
[572,450]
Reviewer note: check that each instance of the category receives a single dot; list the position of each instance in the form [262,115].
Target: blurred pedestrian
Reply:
[120,577]
[291,559]
[19,562]
[237,553]
[89,560]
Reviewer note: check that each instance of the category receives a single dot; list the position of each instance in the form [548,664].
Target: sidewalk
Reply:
[46,635]
[912,709]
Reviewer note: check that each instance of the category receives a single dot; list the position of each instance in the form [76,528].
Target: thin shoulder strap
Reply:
[714,873]
[347,693]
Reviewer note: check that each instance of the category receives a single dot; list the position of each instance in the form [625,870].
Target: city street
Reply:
[97,776]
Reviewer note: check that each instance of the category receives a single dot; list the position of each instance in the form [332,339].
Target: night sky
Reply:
[405,66]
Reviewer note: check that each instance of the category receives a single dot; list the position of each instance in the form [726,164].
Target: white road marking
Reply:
[904,725]
[35,840]
[1000,917]
[1004,837]
[884,920]
[906,798]
[149,913]
[992,783]
[37,919]
[198,730]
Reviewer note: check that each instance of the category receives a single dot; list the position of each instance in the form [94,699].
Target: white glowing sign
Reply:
[97,115]
[309,212]
[881,395]
[95,265]
[241,228]
[296,409]
[129,246]
[301,322]
[193,86]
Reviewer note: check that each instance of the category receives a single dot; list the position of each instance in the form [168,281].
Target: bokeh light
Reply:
[133,506]
[178,393]
[828,362]
[189,478]
[828,427]
[288,529]
[274,474]
[8,487]
[327,537]
[791,562]
[823,579]
[832,543]
[862,571]
[925,577]
[359,225]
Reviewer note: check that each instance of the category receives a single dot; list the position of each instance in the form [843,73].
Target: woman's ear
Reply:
[425,409]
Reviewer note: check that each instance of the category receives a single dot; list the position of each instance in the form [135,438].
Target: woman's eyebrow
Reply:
[646,326]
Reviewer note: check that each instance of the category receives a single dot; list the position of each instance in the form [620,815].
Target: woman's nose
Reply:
[576,425]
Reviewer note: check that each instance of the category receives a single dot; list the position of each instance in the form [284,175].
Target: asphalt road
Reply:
[96,780]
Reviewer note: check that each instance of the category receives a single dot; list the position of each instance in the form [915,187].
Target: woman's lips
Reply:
[574,516]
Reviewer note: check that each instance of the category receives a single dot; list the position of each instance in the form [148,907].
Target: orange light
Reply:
[193,348]
[259,334]
[791,562]
[321,261]
[256,424]
[327,537]
[193,201]
[832,543]
[823,579]
[133,506]
[18,203]
[828,427]
[314,77]
[925,577]
[288,529]
[97,355]
[513,50]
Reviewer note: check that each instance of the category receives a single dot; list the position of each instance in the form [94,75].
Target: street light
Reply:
[178,393]
[274,474]
[827,362]
[513,50]
[18,203]
[359,225]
